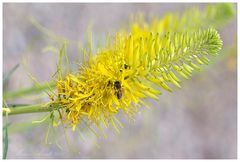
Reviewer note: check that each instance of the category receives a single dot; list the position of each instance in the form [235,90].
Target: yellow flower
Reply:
[121,75]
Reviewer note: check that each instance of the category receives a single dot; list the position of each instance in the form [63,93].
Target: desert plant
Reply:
[133,65]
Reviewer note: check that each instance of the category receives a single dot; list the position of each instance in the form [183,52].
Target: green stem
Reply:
[26,91]
[28,109]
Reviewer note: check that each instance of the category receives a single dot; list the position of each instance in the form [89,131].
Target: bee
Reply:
[118,89]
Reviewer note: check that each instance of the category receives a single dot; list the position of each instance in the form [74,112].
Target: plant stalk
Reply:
[27,109]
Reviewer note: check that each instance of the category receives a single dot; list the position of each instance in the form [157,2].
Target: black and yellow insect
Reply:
[118,89]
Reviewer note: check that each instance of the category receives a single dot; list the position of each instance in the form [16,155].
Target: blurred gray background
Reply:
[197,121]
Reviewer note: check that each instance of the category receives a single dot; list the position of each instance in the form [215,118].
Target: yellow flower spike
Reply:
[127,69]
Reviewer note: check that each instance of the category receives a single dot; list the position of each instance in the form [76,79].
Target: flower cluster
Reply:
[128,69]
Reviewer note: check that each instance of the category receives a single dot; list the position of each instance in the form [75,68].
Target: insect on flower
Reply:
[133,64]
[118,88]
